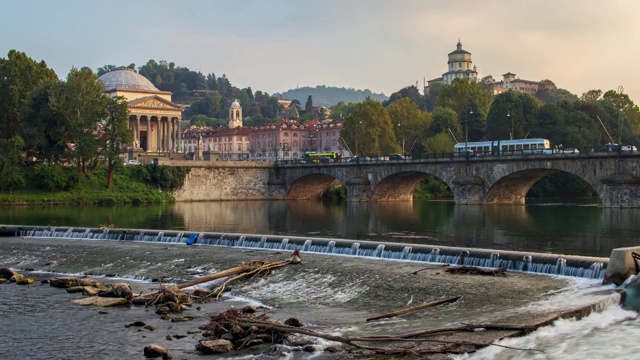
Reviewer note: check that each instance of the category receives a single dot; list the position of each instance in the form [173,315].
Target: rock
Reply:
[26,281]
[149,327]
[154,351]
[75,289]
[6,273]
[3,280]
[120,290]
[248,309]
[191,332]
[333,349]
[90,290]
[165,317]
[215,346]
[47,281]
[311,348]
[182,318]
[237,331]
[227,336]
[16,278]
[168,337]
[179,336]
[102,312]
[293,322]
[89,282]
[136,323]
[100,301]
[64,282]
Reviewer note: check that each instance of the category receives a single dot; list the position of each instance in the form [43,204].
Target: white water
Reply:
[611,333]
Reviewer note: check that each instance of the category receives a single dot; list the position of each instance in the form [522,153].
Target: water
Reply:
[577,229]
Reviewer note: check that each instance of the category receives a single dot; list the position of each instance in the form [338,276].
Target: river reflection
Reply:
[580,229]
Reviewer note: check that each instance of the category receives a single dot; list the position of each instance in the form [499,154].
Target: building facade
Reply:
[153,117]
[460,66]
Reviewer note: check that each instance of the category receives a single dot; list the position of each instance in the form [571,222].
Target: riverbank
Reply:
[333,294]
[54,185]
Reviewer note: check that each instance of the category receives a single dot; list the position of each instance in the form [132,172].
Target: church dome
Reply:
[124,78]
[235,104]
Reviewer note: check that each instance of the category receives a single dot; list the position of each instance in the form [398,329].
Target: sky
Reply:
[380,45]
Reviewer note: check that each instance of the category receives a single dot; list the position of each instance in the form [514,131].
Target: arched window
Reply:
[237,114]
[295,144]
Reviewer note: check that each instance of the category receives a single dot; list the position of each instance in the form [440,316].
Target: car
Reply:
[397,157]
[133,162]
[628,148]
[570,151]
[610,147]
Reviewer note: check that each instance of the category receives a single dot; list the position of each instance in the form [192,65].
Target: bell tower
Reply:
[235,115]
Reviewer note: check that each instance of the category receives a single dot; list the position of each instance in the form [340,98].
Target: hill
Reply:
[330,95]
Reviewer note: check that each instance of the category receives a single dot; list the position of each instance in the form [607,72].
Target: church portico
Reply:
[154,119]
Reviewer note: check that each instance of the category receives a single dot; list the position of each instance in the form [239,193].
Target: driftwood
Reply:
[475,270]
[415,308]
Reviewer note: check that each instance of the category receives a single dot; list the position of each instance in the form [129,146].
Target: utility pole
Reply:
[620,92]
[509,116]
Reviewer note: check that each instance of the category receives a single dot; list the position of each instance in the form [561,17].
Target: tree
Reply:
[308,107]
[368,130]
[11,154]
[512,113]
[115,132]
[629,117]
[458,94]
[555,96]
[591,95]
[443,121]
[410,92]
[341,110]
[19,74]
[439,143]
[410,124]
[79,101]
[475,119]
[431,97]
[105,69]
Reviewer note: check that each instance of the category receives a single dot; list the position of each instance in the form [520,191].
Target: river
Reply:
[566,228]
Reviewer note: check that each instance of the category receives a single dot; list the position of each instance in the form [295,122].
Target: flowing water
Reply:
[331,293]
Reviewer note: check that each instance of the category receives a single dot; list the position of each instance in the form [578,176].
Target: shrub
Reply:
[51,177]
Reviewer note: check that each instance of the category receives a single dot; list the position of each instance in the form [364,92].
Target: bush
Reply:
[168,178]
[51,177]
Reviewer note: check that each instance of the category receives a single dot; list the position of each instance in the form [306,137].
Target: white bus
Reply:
[504,147]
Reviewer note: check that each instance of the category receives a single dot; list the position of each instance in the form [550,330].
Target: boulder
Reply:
[64,282]
[26,281]
[16,278]
[6,273]
[293,322]
[100,301]
[119,290]
[215,346]
[154,351]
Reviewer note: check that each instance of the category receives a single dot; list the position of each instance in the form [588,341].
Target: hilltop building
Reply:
[153,117]
[460,66]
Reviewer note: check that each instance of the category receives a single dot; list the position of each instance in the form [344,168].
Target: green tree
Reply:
[512,113]
[431,97]
[308,107]
[410,124]
[341,110]
[439,143]
[368,130]
[591,95]
[443,121]
[79,101]
[11,154]
[410,92]
[19,75]
[460,92]
[629,118]
[115,132]
[45,137]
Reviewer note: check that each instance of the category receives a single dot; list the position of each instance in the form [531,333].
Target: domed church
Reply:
[154,119]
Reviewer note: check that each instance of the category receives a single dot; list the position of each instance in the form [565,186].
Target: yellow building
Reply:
[154,119]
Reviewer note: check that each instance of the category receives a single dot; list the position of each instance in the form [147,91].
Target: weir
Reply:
[541,263]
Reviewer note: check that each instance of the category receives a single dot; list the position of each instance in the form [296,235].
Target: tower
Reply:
[235,115]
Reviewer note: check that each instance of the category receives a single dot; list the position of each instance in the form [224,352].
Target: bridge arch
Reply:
[513,188]
[310,186]
[400,186]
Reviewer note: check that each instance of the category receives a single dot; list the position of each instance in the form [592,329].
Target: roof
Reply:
[525,81]
[509,73]
[124,78]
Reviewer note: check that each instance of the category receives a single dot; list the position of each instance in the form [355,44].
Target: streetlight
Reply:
[620,91]
[402,134]
[357,154]
[509,116]
[466,141]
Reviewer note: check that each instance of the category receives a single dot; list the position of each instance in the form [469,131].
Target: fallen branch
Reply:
[475,270]
[415,308]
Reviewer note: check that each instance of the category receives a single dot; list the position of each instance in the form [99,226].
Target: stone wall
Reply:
[229,181]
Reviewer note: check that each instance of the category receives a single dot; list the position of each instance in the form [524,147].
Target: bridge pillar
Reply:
[468,190]
[358,189]
[621,190]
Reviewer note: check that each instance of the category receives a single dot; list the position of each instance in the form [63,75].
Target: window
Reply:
[286,133]
[295,134]
[239,146]
[295,144]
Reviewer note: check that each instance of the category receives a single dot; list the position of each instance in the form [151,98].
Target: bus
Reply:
[504,147]
[321,157]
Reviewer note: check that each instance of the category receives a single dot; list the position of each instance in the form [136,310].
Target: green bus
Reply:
[321,157]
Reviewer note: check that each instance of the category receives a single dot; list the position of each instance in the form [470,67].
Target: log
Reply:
[415,308]
[222,274]
[475,270]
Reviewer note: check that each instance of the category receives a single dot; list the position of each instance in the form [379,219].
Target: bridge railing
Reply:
[584,151]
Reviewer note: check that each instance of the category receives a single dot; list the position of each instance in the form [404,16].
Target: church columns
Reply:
[179,130]
[158,130]
[136,141]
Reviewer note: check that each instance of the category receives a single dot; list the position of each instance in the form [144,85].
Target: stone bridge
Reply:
[477,180]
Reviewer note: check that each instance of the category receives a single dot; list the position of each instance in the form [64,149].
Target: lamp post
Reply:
[357,154]
[401,134]
[466,141]
[509,116]
[620,92]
